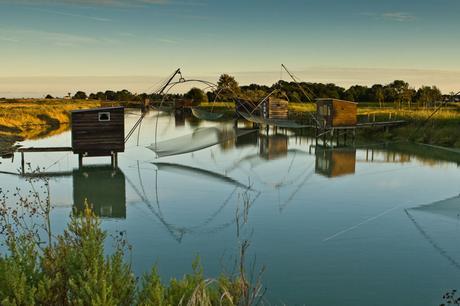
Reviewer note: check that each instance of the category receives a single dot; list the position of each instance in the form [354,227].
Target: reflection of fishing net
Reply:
[200,139]
[206,115]
[197,172]
[286,123]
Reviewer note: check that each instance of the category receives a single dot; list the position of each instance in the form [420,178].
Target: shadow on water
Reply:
[103,188]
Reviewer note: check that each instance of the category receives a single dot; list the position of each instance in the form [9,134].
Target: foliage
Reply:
[80,95]
[451,298]
[72,268]
[197,95]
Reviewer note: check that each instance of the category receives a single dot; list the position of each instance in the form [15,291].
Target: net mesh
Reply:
[285,123]
[200,139]
[205,115]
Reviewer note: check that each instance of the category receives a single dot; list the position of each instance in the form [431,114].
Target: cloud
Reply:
[56,38]
[118,3]
[168,41]
[391,16]
[8,39]
[71,14]
[398,16]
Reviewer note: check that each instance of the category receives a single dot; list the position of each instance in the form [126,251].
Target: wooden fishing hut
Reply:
[335,114]
[335,162]
[98,132]
[275,108]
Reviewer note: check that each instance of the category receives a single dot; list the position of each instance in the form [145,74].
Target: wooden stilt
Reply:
[23,169]
[80,160]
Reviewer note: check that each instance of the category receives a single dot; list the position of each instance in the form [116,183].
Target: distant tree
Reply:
[378,94]
[48,96]
[110,95]
[357,93]
[124,95]
[197,95]
[80,95]
[426,96]
[227,87]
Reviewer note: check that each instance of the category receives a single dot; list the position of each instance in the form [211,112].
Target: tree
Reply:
[197,95]
[48,96]
[110,95]
[427,95]
[227,87]
[80,95]
[378,94]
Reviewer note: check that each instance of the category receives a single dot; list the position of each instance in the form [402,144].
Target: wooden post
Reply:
[316,135]
[80,160]
[23,169]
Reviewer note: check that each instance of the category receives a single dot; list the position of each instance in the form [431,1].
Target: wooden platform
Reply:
[45,149]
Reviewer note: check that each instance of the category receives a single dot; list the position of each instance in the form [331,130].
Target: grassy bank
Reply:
[34,119]
[442,129]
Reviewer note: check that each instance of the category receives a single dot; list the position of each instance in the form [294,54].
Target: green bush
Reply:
[71,268]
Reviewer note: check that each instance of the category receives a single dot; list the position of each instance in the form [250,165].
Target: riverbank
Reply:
[22,119]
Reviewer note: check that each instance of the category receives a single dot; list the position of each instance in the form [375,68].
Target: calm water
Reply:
[342,227]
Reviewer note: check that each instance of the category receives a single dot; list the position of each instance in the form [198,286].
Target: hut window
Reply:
[104,116]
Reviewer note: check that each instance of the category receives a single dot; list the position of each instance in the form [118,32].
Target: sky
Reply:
[60,46]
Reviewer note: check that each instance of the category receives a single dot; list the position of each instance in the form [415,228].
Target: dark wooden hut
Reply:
[275,108]
[336,162]
[98,132]
[334,113]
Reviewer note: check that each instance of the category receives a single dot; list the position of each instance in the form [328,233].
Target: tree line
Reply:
[398,93]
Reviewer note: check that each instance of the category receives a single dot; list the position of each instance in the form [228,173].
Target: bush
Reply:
[71,268]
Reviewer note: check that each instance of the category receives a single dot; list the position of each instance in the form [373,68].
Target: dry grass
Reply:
[32,119]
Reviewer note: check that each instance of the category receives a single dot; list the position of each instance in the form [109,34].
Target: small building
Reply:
[275,108]
[334,113]
[98,132]
[335,162]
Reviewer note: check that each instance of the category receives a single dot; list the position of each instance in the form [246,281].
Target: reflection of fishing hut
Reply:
[246,140]
[273,146]
[98,132]
[335,115]
[275,108]
[103,188]
[335,162]
[179,117]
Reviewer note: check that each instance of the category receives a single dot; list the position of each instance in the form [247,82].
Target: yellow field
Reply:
[31,119]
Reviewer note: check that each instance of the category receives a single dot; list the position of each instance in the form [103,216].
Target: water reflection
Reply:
[179,206]
[103,187]
[335,162]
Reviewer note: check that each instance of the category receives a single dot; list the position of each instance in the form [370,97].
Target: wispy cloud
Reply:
[8,39]
[119,3]
[167,41]
[70,14]
[391,16]
[55,38]
[398,16]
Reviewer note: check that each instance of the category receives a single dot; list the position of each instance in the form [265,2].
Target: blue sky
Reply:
[44,38]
